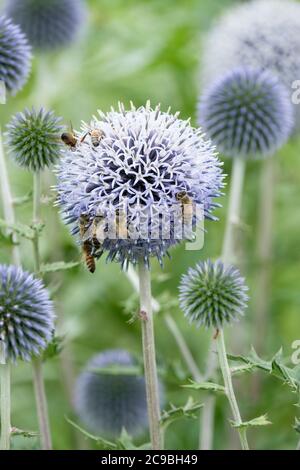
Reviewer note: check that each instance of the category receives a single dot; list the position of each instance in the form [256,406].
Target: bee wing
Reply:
[87,233]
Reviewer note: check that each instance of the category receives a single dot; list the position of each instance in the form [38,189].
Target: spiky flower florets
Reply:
[212,294]
[262,34]
[26,314]
[247,113]
[106,400]
[141,162]
[34,138]
[47,23]
[15,56]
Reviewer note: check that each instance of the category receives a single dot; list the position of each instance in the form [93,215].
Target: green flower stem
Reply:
[173,328]
[264,249]
[229,389]
[234,209]
[7,201]
[5,401]
[228,251]
[146,317]
[37,364]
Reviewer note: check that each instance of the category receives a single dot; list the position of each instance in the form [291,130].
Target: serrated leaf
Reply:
[260,421]
[23,433]
[20,229]
[19,201]
[174,413]
[104,443]
[208,386]
[58,266]
[241,369]
[126,443]
[54,348]
[6,240]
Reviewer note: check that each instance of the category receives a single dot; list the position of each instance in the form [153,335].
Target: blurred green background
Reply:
[138,50]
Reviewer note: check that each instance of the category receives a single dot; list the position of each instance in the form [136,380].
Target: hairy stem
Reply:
[229,389]
[7,202]
[264,250]
[37,365]
[146,316]
[41,404]
[228,252]
[5,401]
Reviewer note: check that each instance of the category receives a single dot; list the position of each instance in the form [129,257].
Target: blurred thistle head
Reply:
[262,34]
[48,24]
[247,113]
[26,314]
[15,56]
[108,401]
[141,161]
[212,294]
[34,138]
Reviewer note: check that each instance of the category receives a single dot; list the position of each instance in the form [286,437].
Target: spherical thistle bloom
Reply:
[34,138]
[130,178]
[26,314]
[108,401]
[260,34]
[212,294]
[48,24]
[247,113]
[15,56]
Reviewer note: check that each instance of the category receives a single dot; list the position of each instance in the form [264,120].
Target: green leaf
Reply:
[126,443]
[297,425]
[213,387]
[23,433]
[6,240]
[58,266]
[105,444]
[19,201]
[260,421]
[20,229]
[174,413]
[54,348]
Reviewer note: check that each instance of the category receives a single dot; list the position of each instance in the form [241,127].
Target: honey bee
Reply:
[87,246]
[92,235]
[96,136]
[121,223]
[186,207]
[69,138]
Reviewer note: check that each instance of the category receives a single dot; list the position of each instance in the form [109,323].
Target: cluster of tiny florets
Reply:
[34,138]
[212,294]
[48,24]
[26,314]
[262,34]
[247,113]
[144,158]
[15,56]
[108,401]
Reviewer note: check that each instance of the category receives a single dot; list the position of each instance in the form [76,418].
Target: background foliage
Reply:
[138,50]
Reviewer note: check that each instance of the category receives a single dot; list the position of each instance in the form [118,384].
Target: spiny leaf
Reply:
[58,266]
[105,444]
[174,413]
[213,387]
[23,433]
[6,240]
[54,348]
[19,201]
[260,421]
[126,443]
[23,230]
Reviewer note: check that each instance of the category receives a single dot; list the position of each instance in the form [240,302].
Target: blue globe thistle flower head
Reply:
[34,138]
[128,171]
[261,34]
[15,56]
[247,113]
[212,294]
[48,24]
[26,314]
[108,401]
